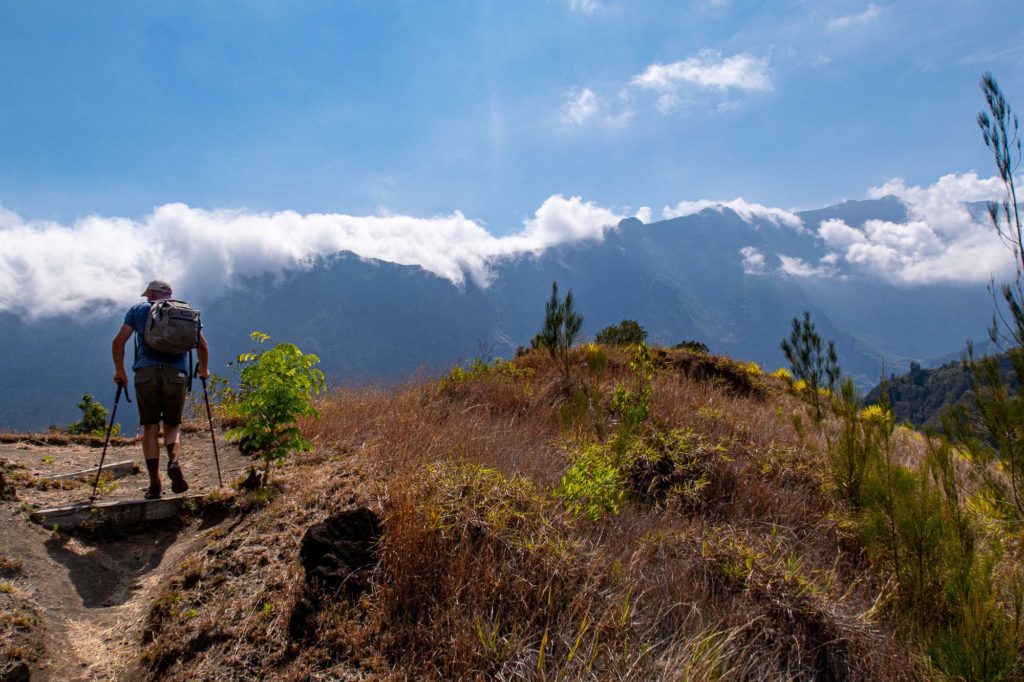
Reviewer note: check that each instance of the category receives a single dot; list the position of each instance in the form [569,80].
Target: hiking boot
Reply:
[152,493]
[178,482]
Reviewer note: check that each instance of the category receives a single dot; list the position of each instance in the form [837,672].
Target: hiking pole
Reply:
[213,436]
[106,441]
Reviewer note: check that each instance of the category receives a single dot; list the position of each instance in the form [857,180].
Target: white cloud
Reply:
[584,6]
[748,211]
[941,241]
[581,107]
[644,214]
[753,261]
[855,21]
[798,267]
[50,269]
[708,70]
[584,107]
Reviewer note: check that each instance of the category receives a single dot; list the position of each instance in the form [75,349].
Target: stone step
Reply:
[116,469]
[121,512]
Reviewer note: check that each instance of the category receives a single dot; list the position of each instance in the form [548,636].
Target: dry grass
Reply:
[483,574]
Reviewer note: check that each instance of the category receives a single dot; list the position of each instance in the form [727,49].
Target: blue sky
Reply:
[424,108]
[207,141]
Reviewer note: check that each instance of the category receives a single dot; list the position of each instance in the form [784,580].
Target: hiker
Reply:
[161,381]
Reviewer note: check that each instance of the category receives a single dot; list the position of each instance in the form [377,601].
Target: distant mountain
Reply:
[921,395]
[683,278]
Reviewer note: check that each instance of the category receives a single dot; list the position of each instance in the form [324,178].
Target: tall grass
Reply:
[737,563]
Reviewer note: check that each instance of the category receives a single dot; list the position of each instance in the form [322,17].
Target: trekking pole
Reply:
[213,435]
[106,441]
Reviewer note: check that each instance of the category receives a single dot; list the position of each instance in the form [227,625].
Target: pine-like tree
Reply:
[817,367]
[562,325]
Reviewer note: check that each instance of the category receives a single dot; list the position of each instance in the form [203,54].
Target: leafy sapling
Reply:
[277,387]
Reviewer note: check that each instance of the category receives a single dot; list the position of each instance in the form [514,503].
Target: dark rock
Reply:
[335,551]
[336,554]
[16,672]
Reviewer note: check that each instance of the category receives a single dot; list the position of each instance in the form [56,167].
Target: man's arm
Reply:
[117,350]
[203,351]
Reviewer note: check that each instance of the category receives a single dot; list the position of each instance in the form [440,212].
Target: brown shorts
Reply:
[160,393]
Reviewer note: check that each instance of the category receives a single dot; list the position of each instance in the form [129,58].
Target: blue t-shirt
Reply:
[144,355]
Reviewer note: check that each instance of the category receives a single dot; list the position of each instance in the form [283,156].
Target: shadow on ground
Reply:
[106,568]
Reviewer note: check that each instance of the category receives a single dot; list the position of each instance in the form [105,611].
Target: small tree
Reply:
[562,325]
[94,419]
[818,368]
[277,387]
[625,333]
[1000,131]
[992,430]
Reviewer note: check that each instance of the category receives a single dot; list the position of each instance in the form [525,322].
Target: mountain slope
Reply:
[682,278]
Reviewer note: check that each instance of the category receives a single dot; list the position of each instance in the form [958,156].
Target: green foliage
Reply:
[625,333]
[277,387]
[594,484]
[850,452]
[690,345]
[1000,131]
[817,367]
[562,325]
[480,369]
[633,403]
[992,432]
[94,419]
[914,522]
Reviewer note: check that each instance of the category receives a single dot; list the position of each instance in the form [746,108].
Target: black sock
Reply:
[172,453]
[153,467]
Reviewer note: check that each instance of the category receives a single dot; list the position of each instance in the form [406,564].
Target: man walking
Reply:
[161,381]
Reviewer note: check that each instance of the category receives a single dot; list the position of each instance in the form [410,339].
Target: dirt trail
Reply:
[90,592]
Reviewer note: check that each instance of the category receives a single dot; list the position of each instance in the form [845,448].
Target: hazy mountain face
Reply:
[713,276]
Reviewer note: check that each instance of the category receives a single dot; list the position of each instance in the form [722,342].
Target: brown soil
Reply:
[87,594]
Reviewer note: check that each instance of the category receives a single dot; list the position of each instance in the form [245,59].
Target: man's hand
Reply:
[121,378]
[203,373]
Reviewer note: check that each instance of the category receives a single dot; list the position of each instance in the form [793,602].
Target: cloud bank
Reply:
[942,240]
[49,269]
[52,269]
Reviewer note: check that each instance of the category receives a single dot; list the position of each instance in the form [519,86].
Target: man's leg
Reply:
[173,404]
[151,451]
[147,397]
[172,436]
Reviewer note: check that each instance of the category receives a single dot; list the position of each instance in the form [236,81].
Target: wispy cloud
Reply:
[855,21]
[798,267]
[583,107]
[747,210]
[50,269]
[942,241]
[584,6]
[708,70]
[753,260]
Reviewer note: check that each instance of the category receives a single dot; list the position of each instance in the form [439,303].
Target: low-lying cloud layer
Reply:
[51,269]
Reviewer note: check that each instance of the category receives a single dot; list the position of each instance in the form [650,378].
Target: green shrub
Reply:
[94,419]
[277,387]
[625,333]
[691,345]
[594,484]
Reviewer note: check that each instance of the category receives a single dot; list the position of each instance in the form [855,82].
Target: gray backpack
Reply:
[172,327]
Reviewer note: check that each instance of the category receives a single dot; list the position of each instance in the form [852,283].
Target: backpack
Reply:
[172,327]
